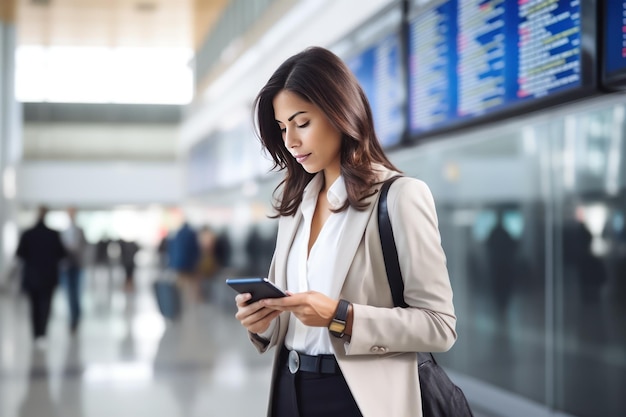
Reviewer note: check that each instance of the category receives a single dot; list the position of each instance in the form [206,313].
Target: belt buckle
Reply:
[293,361]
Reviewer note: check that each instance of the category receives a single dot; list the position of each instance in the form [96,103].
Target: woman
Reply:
[342,349]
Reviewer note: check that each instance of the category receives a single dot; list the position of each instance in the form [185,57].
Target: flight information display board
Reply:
[471,58]
[615,40]
[379,69]
[201,166]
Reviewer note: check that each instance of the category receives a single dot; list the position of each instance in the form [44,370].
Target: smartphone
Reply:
[260,288]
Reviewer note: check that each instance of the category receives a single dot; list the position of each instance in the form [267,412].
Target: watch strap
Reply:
[337,326]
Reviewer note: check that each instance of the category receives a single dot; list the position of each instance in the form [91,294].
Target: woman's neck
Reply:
[329,179]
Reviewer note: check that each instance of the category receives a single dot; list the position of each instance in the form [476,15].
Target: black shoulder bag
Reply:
[440,396]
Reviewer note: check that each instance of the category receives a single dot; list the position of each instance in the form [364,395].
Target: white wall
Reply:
[108,141]
[99,184]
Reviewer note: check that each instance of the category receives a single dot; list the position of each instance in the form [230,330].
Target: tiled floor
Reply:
[127,361]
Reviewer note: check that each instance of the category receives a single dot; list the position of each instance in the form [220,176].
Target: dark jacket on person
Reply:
[184,250]
[41,250]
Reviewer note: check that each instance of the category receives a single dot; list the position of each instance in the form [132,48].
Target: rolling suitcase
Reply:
[168,297]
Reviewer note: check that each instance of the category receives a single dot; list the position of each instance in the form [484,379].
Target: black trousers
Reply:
[40,301]
[308,394]
[72,283]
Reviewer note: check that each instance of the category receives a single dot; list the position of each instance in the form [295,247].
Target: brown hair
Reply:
[320,77]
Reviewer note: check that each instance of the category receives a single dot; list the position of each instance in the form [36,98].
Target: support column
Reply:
[10,136]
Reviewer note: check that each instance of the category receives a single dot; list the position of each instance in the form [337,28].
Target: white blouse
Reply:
[316,272]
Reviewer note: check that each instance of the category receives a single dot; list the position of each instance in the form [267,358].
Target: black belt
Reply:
[300,362]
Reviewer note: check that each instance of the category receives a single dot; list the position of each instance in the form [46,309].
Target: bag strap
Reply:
[390,254]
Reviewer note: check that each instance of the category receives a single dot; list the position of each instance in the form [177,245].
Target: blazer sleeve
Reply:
[428,324]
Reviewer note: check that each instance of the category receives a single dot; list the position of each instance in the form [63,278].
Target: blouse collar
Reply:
[337,193]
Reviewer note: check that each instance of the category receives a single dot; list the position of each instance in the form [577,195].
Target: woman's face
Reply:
[308,135]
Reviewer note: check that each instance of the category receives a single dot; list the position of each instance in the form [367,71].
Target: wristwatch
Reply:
[337,326]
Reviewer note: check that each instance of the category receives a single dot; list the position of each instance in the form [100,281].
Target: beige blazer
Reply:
[379,361]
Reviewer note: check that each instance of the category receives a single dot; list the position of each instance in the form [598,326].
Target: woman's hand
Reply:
[311,308]
[255,317]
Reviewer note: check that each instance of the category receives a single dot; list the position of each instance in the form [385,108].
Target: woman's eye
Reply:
[305,124]
[283,130]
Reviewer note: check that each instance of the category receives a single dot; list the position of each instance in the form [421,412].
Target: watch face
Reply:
[336,327]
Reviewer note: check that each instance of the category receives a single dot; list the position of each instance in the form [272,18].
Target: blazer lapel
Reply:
[287,233]
[356,222]
[353,233]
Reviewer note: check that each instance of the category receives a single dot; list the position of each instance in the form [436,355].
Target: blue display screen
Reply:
[379,70]
[468,59]
[202,166]
[615,36]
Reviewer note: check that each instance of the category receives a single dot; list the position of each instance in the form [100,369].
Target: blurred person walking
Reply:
[128,250]
[41,251]
[73,239]
[208,265]
[183,257]
[502,255]
[223,249]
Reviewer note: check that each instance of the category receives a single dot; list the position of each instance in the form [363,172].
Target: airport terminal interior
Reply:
[133,120]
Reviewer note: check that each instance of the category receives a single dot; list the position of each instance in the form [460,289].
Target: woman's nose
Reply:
[291,138]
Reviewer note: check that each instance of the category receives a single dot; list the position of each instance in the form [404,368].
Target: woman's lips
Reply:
[301,158]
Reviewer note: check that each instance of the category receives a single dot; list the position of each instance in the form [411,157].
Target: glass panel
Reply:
[590,266]
[488,196]
[533,222]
